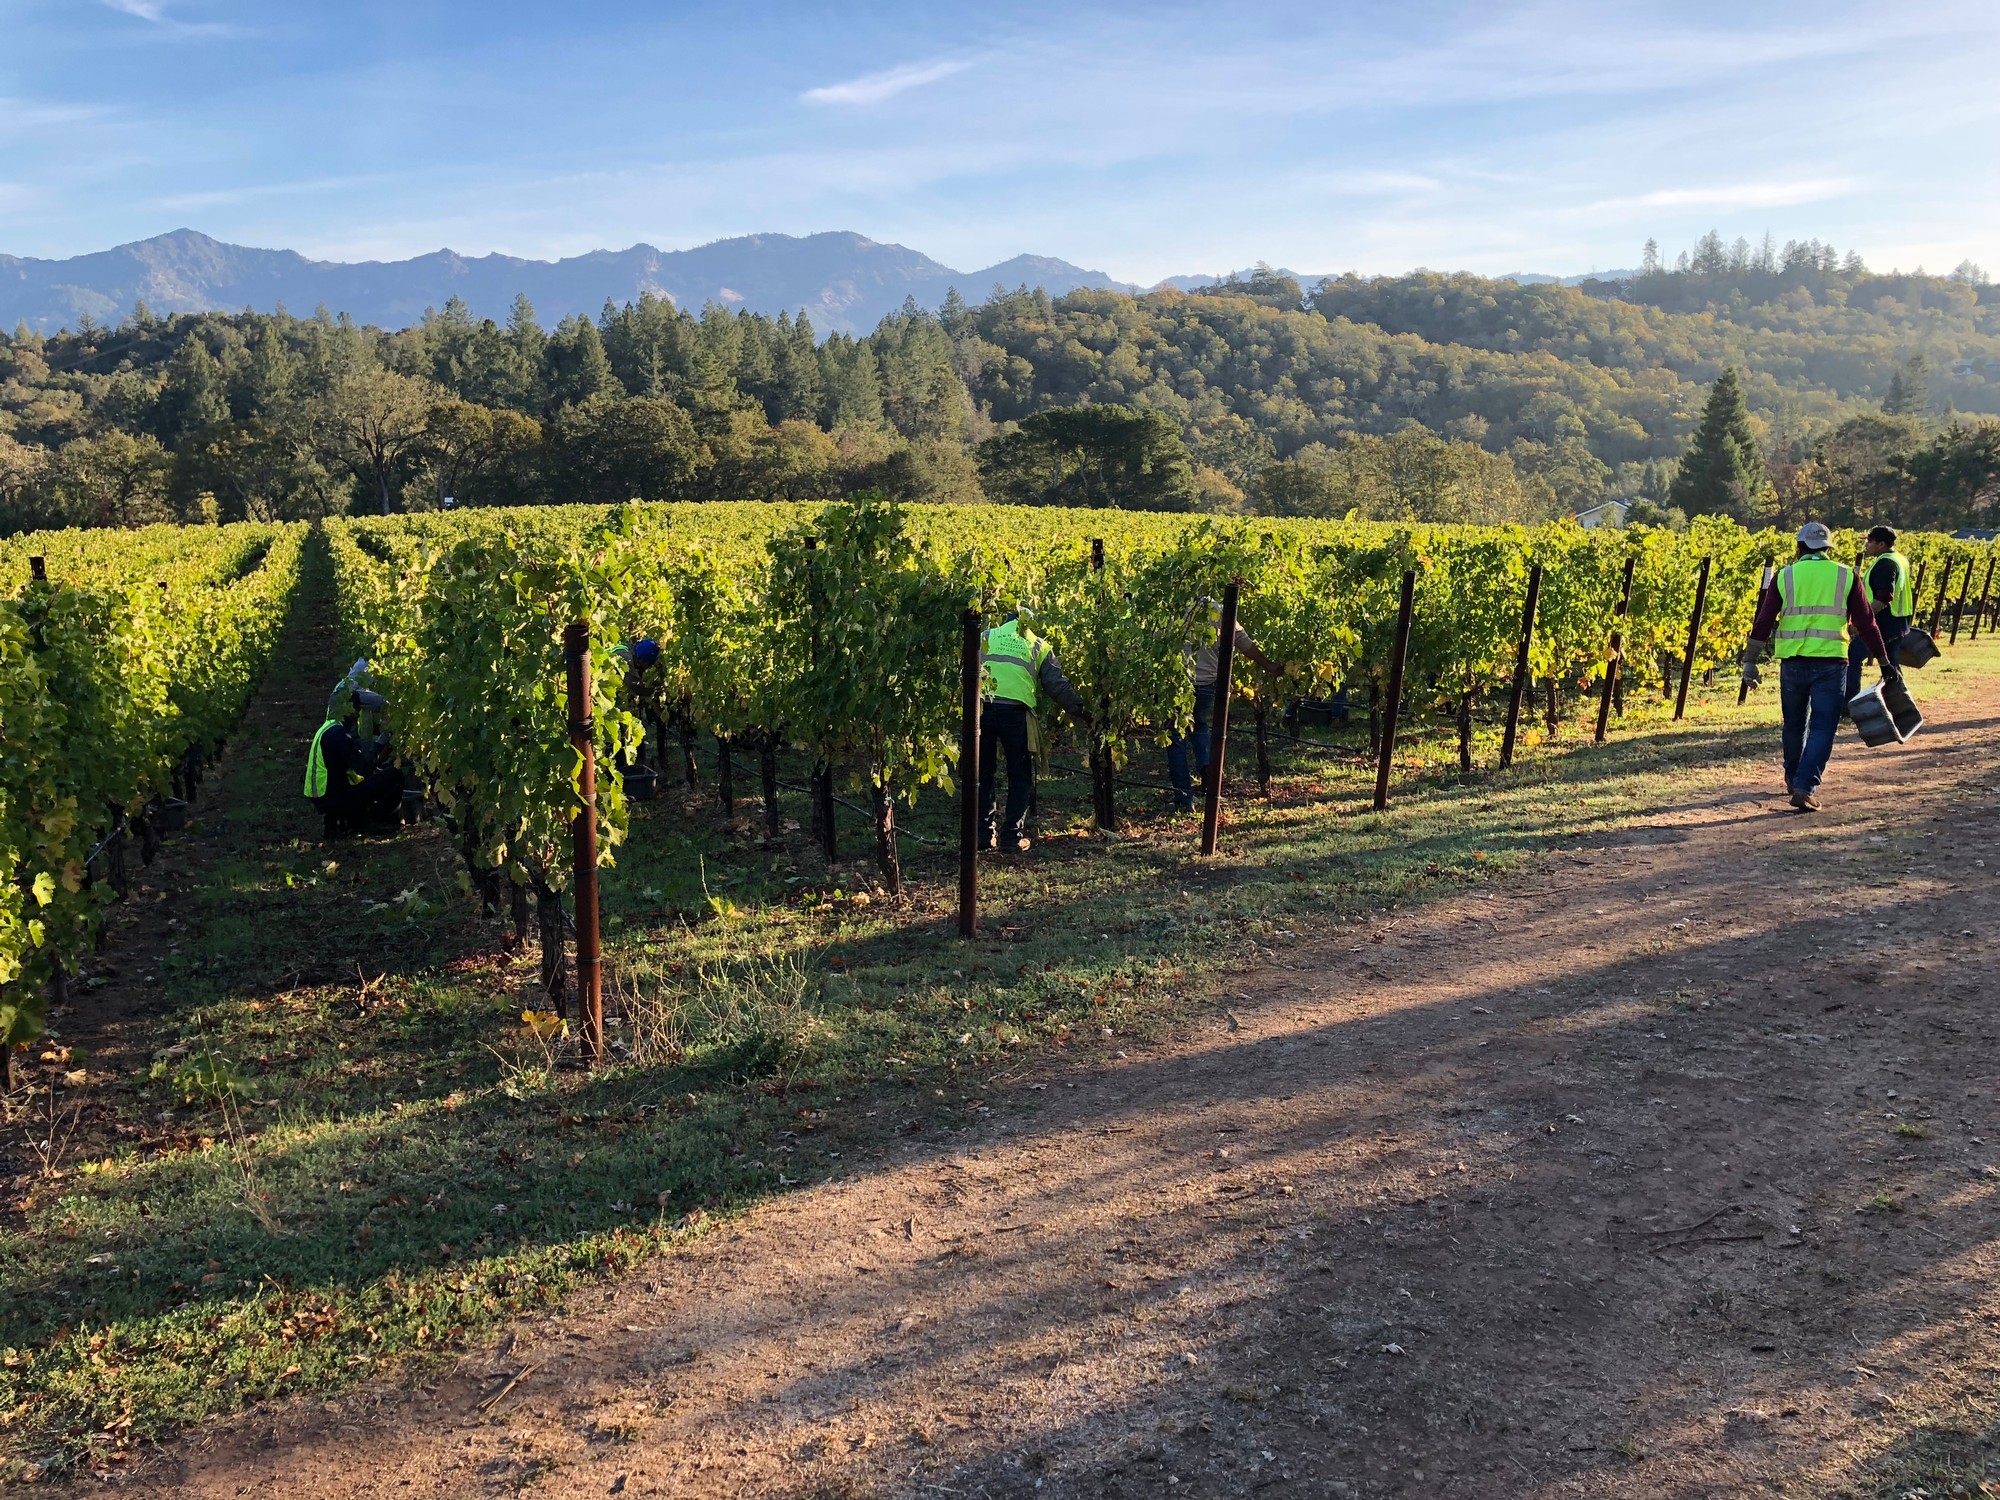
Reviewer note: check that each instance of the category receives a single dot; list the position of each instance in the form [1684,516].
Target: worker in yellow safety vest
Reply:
[1810,606]
[1887,574]
[1018,670]
[350,781]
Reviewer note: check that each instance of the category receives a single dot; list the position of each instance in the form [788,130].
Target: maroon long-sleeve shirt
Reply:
[1860,619]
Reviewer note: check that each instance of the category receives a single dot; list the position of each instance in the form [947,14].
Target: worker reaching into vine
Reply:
[350,780]
[1018,669]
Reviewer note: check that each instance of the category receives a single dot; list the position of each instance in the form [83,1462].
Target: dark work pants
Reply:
[1003,727]
[349,809]
[1893,627]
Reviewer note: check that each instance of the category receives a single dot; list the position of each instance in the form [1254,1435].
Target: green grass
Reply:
[380,1164]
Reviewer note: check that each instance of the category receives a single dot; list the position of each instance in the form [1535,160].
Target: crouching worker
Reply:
[349,779]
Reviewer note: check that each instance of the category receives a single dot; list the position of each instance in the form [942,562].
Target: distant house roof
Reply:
[1600,511]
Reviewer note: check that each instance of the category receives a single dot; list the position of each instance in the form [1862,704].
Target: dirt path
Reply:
[1666,1170]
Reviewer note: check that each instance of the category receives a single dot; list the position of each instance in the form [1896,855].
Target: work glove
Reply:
[1751,676]
[1892,671]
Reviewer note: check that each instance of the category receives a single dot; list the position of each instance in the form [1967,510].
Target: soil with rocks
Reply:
[1665,1169]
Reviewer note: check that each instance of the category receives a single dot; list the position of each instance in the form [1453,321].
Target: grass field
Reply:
[293,1133]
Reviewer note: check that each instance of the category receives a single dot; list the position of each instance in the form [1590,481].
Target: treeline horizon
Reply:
[1423,397]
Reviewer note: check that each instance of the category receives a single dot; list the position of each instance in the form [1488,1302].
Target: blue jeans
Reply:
[1178,769]
[1893,627]
[1809,689]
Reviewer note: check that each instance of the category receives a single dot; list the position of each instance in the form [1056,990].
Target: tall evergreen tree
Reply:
[1909,389]
[852,384]
[1723,469]
[797,392]
[268,378]
[530,344]
[756,362]
[574,365]
[195,395]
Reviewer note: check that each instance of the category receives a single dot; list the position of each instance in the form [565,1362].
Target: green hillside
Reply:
[1429,396]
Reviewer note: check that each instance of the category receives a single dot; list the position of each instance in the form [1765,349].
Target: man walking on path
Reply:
[1888,575]
[1809,607]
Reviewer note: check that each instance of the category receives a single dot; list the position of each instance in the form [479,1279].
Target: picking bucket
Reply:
[1902,709]
[1914,647]
[1881,721]
[642,783]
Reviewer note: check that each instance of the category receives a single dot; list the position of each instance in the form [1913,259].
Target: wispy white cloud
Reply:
[154,14]
[30,114]
[1781,194]
[253,192]
[873,88]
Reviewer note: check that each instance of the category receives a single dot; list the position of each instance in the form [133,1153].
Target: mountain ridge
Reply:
[844,281]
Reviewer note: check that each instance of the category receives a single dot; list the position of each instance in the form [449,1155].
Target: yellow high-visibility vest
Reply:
[1010,660]
[1812,614]
[316,762]
[1901,605]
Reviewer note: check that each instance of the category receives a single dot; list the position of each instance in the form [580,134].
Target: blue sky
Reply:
[1143,140]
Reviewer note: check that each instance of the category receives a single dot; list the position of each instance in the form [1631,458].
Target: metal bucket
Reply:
[1914,647]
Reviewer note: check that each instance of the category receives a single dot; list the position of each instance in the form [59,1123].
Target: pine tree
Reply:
[853,387]
[574,365]
[530,345]
[799,393]
[269,377]
[1909,389]
[195,395]
[1723,469]
[755,370]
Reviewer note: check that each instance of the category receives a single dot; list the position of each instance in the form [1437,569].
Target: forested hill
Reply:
[1435,395]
